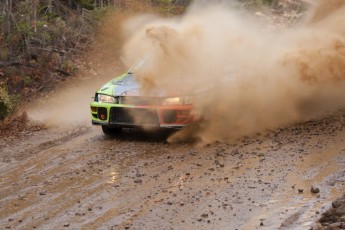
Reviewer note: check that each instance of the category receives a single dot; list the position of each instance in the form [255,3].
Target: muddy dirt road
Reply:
[80,179]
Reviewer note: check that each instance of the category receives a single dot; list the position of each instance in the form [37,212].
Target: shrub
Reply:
[5,103]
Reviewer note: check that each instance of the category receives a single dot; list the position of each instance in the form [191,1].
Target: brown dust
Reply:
[246,78]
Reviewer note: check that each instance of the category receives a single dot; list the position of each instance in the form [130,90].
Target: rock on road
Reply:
[80,179]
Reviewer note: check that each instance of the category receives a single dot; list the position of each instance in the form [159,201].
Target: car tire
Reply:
[110,131]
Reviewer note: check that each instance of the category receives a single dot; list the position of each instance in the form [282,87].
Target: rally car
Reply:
[119,104]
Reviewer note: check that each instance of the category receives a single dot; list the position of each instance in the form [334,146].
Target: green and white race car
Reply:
[119,104]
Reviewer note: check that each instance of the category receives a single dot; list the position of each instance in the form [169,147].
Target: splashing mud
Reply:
[257,79]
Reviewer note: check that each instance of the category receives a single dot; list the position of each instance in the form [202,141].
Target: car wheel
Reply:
[111,130]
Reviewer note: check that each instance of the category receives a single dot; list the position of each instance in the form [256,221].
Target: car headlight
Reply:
[172,101]
[106,98]
[188,100]
[177,101]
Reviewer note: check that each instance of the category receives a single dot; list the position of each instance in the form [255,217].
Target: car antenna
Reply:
[138,64]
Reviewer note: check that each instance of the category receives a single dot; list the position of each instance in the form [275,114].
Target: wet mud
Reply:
[80,179]
[290,178]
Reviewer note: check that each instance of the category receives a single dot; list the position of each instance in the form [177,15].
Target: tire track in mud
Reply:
[167,193]
[50,181]
[84,180]
[57,139]
[283,166]
[35,167]
[60,164]
[321,168]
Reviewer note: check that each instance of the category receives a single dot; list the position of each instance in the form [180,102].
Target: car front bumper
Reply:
[120,115]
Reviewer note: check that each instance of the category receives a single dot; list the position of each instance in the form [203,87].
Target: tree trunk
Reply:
[50,6]
[5,11]
[34,22]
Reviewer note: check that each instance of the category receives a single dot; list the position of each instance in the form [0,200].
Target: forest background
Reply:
[42,42]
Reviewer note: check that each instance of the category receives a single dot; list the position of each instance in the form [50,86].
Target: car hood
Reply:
[127,85]
[124,85]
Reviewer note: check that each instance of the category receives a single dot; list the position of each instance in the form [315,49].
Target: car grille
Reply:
[133,117]
[133,100]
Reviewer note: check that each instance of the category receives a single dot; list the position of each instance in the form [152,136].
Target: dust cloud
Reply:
[246,77]
[69,105]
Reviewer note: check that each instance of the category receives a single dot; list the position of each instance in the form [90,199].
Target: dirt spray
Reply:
[258,79]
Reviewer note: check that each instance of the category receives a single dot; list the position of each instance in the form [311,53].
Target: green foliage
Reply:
[171,7]
[4,54]
[68,66]
[99,13]
[87,4]
[268,2]
[254,4]
[2,18]
[26,80]
[6,105]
